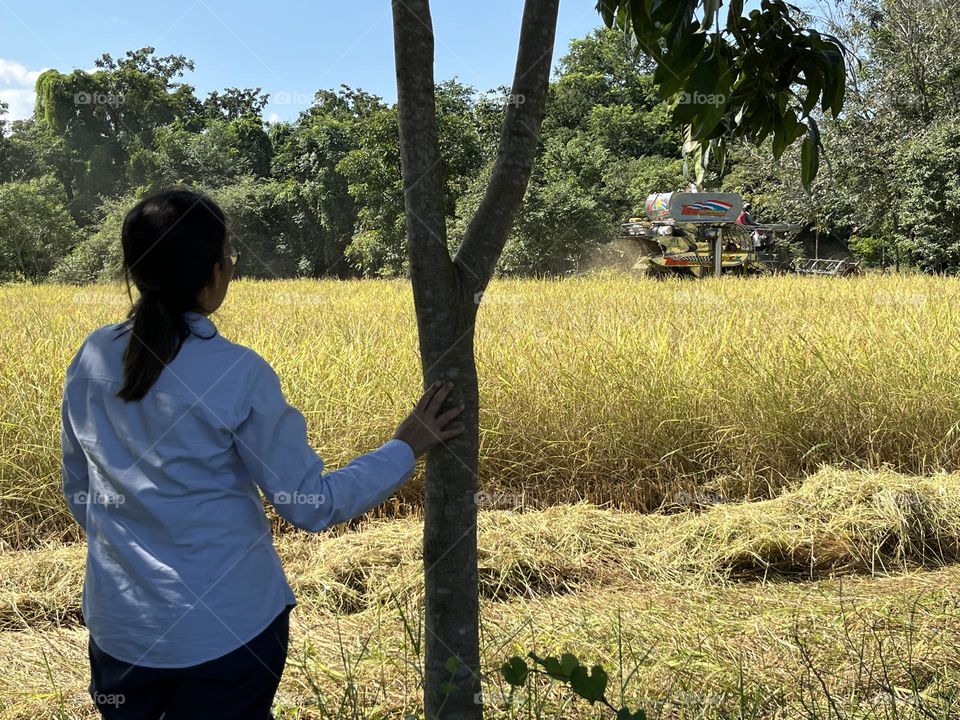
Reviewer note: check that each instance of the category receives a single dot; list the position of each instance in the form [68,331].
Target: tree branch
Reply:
[487,233]
[430,264]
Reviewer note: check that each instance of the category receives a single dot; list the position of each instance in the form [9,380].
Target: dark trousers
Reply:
[237,686]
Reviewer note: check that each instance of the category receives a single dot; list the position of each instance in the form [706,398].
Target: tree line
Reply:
[322,196]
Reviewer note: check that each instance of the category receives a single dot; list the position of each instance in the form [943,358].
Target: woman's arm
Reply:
[75,473]
[272,442]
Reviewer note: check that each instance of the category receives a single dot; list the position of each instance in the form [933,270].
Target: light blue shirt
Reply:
[181,566]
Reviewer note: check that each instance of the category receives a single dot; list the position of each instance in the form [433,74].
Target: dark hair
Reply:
[171,241]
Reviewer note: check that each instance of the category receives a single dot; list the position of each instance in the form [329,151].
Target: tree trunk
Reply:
[446,295]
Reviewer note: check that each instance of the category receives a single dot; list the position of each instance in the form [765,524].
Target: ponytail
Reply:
[171,242]
[156,335]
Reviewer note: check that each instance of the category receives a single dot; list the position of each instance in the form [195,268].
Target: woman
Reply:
[168,430]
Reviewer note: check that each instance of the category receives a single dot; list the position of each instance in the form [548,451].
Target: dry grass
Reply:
[701,600]
[610,389]
[689,601]
[834,523]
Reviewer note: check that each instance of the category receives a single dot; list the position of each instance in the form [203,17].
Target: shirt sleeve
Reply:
[75,474]
[271,439]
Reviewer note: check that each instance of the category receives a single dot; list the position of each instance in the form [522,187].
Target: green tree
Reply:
[106,116]
[308,159]
[220,154]
[276,238]
[98,257]
[35,228]
[929,197]
[372,171]
[6,164]
[234,103]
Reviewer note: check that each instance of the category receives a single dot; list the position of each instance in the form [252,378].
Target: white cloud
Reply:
[17,88]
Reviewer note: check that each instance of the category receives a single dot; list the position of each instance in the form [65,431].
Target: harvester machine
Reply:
[697,234]
[823,266]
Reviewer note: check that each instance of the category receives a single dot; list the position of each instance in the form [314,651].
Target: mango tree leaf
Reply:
[607,10]
[699,87]
[711,9]
[515,671]
[673,69]
[569,663]
[589,685]
[810,154]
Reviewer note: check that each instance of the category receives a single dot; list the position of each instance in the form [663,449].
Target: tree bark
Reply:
[446,295]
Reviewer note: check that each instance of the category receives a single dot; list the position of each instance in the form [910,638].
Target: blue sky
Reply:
[290,49]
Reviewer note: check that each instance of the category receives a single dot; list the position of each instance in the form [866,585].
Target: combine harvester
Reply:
[697,234]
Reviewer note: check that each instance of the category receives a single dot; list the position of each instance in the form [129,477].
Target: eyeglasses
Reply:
[234,254]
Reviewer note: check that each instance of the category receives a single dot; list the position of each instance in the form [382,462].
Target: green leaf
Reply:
[710,10]
[589,685]
[700,88]
[834,75]
[452,663]
[814,88]
[733,15]
[447,688]
[607,10]
[809,160]
[840,93]
[642,23]
[779,141]
[678,16]
[515,671]
[569,663]
[553,668]
[674,68]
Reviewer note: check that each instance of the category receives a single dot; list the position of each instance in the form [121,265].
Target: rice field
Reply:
[619,391]
[742,497]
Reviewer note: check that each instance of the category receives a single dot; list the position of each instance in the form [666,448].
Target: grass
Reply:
[610,389]
[702,612]
[741,497]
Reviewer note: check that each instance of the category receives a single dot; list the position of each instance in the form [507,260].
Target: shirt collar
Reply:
[199,322]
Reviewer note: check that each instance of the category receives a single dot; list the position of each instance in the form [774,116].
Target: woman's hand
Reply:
[423,428]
